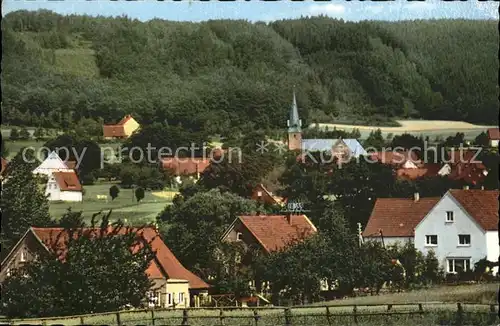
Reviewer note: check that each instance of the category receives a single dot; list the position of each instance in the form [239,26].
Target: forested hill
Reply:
[219,76]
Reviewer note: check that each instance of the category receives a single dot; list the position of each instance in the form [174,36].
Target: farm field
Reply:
[477,293]
[124,206]
[431,128]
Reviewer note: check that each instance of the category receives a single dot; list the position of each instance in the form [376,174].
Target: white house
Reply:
[393,220]
[64,186]
[52,163]
[461,228]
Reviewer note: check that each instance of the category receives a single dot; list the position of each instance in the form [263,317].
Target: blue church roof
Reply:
[325,145]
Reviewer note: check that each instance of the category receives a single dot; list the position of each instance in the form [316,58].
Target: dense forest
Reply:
[221,76]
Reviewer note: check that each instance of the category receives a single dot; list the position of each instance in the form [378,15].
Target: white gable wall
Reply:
[409,165]
[52,190]
[51,164]
[493,248]
[448,246]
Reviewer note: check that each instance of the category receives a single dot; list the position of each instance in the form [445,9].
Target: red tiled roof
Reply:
[4,165]
[494,134]
[113,131]
[165,263]
[185,166]
[266,197]
[71,164]
[397,217]
[395,158]
[472,173]
[425,170]
[482,205]
[124,120]
[67,181]
[463,156]
[274,232]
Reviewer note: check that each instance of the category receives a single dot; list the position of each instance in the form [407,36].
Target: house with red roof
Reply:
[393,220]
[494,136]
[172,283]
[123,129]
[64,186]
[268,233]
[404,160]
[186,166]
[461,228]
[262,195]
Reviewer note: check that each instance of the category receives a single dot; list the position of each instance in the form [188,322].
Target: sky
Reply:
[255,10]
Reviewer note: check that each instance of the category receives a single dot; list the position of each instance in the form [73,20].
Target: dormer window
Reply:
[449,217]
[239,236]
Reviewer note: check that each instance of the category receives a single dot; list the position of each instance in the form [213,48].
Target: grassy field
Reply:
[124,206]
[431,128]
[478,293]
[430,314]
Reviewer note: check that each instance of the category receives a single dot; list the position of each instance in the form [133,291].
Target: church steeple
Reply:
[294,126]
[294,123]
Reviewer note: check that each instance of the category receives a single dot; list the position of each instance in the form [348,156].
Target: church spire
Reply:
[294,124]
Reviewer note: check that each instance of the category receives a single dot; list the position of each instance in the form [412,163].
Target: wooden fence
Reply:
[283,316]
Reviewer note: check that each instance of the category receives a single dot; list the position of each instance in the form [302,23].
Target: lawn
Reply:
[431,128]
[477,293]
[124,206]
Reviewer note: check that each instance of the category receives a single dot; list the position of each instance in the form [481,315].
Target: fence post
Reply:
[389,307]
[153,317]
[81,320]
[493,314]
[288,322]
[221,316]
[185,317]
[459,314]
[355,314]
[118,321]
[328,315]
[420,308]
[256,317]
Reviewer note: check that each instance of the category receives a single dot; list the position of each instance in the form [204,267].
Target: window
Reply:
[259,193]
[431,240]
[181,297]
[24,256]
[456,265]
[464,239]
[449,216]
[154,298]
[239,236]
[169,298]
[8,272]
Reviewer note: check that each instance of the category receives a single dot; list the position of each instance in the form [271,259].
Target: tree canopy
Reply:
[61,71]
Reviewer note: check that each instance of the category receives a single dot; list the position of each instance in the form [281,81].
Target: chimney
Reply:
[289,218]
[416,196]
[466,187]
[482,187]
